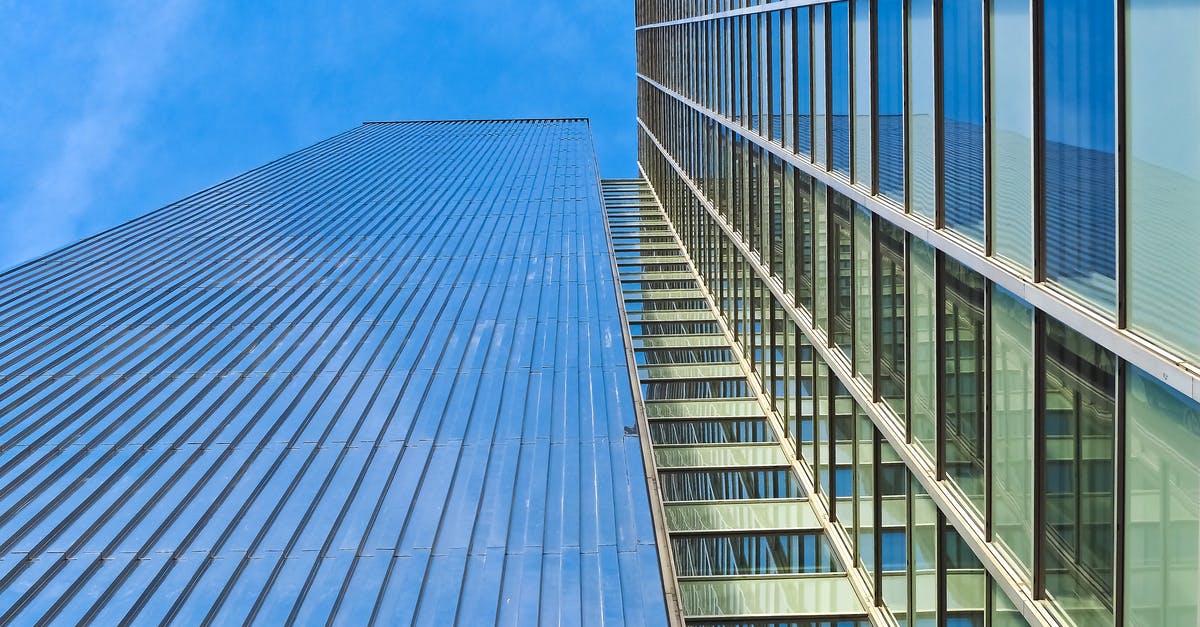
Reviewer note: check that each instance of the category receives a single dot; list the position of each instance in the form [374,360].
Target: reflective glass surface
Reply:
[1011,168]
[1077,485]
[752,554]
[1162,512]
[802,86]
[1012,424]
[921,143]
[962,116]
[962,378]
[1163,170]
[889,37]
[1080,190]
[863,93]
[864,341]
[820,85]
[890,308]
[923,304]
[839,83]
[841,295]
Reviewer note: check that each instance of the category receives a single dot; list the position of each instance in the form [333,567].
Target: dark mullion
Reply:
[908,383]
[905,84]
[939,358]
[1039,453]
[876,297]
[1119,495]
[939,134]
[828,59]
[988,239]
[940,544]
[877,514]
[831,464]
[987,412]
[874,36]
[852,68]
[1039,141]
[1121,184]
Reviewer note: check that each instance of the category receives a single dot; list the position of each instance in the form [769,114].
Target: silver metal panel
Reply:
[380,379]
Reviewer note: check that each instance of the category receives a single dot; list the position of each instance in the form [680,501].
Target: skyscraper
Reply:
[955,245]
[377,380]
[898,327]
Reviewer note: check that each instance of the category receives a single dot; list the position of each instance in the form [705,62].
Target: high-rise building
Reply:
[380,380]
[898,327]
[956,246]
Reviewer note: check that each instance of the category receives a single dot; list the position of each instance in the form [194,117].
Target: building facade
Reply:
[956,243]
[371,382]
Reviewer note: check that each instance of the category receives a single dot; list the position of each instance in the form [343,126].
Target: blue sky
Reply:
[112,109]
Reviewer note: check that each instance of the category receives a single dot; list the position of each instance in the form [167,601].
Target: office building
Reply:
[956,245]
[374,381]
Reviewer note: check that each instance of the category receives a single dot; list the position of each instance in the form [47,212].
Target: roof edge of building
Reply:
[448,121]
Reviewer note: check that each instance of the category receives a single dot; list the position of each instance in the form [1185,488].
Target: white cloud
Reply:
[130,58]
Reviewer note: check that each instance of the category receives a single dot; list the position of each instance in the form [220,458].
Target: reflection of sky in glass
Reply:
[1080,132]
[962,124]
[862,92]
[890,96]
[1012,132]
[839,45]
[921,96]
[1164,171]
[803,76]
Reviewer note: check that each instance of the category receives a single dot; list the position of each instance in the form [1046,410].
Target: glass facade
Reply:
[997,224]
[372,381]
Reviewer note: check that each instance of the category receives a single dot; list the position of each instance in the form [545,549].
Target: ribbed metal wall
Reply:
[380,378]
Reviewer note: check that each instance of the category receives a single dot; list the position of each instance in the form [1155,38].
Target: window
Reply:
[1080,167]
[962,117]
[1076,548]
[1163,170]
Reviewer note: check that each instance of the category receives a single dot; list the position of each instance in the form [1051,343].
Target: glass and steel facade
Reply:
[970,231]
[373,381]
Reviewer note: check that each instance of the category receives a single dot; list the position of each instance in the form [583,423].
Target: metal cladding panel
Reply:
[380,379]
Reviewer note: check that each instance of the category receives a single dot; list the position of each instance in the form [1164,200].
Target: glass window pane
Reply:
[889,308]
[863,340]
[802,434]
[1003,612]
[921,94]
[962,384]
[862,93]
[785,42]
[839,80]
[1163,171]
[803,233]
[1077,490]
[1012,132]
[893,527]
[962,116]
[1012,424]
[754,72]
[752,554]
[924,555]
[889,96]
[923,335]
[821,261]
[1162,516]
[841,297]
[864,490]
[966,582]
[802,87]
[820,450]
[1080,130]
[820,101]
[775,124]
